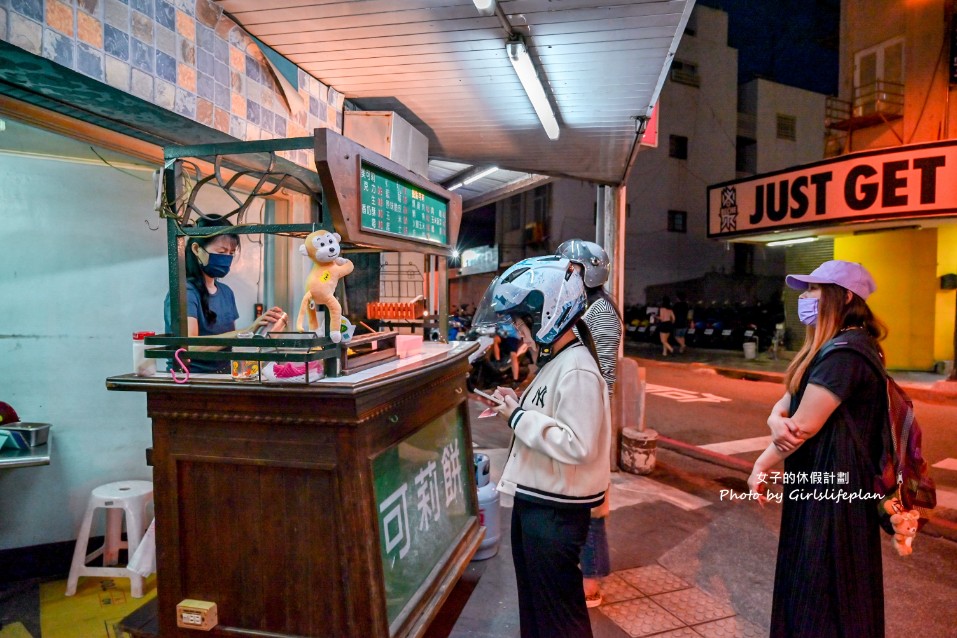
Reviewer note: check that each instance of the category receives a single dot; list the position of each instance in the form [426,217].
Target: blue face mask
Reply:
[218,265]
[807,310]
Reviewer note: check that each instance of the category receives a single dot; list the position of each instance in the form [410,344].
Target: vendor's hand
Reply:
[785,435]
[757,484]
[274,316]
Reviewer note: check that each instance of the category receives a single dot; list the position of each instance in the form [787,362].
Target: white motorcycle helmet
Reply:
[592,258]
[549,290]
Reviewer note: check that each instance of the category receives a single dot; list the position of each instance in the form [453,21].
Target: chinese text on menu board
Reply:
[395,207]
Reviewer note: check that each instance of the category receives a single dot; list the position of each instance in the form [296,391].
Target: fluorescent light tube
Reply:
[479,175]
[518,56]
[791,242]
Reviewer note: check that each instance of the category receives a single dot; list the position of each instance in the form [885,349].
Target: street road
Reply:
[700,407]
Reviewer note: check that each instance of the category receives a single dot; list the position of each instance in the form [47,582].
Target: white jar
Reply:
[142,366]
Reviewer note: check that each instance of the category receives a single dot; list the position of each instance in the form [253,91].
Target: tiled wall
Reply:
[182,55]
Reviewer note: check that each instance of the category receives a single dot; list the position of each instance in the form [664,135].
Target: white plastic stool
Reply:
[131,497]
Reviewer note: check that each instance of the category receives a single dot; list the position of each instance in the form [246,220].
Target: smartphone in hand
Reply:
[489,397]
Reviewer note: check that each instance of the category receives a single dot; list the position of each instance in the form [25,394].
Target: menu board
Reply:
[393,206]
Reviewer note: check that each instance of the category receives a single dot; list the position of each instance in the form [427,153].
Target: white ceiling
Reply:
[442,66]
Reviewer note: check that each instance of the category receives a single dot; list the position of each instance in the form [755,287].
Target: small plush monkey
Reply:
[322,247]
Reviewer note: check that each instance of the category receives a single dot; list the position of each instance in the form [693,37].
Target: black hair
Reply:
[666,302]
[598,292]
[194,272]
[585,336]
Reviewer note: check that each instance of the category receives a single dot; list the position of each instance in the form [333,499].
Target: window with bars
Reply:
[787,127]
[685,73]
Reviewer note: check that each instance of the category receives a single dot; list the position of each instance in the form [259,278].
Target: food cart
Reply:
[343,506]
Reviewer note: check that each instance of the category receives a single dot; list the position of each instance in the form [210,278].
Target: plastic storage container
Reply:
[28,434]
[142,366]
[488,508]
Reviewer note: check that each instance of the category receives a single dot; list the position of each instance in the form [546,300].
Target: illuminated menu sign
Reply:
[394,206]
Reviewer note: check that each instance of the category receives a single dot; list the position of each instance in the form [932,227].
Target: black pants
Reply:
[546,542]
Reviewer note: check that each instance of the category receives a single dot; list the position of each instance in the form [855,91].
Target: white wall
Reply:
[80,270]
[807,107]
[707,116]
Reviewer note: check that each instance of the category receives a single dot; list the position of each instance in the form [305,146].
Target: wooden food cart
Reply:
[342,507]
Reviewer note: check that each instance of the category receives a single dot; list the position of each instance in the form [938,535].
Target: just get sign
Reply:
[911,181]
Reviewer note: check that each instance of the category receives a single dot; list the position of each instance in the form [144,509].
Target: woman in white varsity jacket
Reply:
[557,467]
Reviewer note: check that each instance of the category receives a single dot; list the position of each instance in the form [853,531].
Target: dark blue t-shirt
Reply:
[223,303]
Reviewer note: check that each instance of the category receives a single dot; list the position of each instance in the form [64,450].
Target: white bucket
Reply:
[750,350]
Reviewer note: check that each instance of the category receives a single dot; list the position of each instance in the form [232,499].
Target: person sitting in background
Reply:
[508,341]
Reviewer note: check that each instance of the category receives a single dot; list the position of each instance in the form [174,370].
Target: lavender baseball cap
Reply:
[846,274]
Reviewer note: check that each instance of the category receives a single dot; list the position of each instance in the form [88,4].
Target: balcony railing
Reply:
[873,103]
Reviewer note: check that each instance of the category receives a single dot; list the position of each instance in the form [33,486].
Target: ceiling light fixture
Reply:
[518,56]
[791,242]
[485,7]
[474,177]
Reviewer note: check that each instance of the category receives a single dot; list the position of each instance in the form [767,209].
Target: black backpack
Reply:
[903,468]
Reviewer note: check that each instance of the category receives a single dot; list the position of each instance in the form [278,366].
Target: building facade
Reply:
[884,196]
[710,130]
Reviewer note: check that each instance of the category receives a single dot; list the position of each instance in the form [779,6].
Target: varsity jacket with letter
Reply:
[562,434]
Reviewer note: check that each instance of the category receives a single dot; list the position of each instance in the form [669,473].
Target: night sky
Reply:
[794,42]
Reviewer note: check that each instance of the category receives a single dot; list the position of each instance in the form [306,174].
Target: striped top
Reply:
[605,326]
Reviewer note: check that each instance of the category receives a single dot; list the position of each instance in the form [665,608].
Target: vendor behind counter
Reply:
[210,304]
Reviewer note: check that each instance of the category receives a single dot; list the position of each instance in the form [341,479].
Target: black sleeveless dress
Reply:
[828,581]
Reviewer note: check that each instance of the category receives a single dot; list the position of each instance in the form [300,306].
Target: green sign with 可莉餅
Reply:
[393,206]
[422,503]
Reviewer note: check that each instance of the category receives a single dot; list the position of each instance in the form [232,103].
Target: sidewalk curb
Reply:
[941,392]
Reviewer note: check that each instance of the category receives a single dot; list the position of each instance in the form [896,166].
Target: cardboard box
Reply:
[196,614]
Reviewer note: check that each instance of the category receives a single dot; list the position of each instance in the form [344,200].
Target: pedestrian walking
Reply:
[831,422]
[605,323]
[666,323]
[682,316]
[557,468]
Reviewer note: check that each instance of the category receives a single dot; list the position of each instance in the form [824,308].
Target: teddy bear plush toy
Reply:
[322,247]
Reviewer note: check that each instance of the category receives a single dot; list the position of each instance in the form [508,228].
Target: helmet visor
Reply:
[485,320]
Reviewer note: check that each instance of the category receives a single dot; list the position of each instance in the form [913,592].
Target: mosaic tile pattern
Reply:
[614,589]
[652,579]
[684,632]
[651,601]
[729,628]
[693,606]
[186,56]
[641,617]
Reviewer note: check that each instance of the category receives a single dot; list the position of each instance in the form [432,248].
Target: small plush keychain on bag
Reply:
[904,523]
